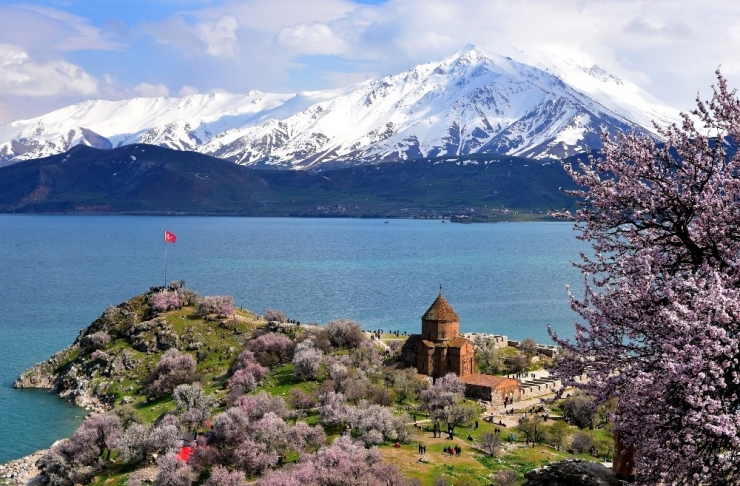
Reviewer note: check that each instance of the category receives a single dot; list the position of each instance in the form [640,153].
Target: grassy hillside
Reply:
[113,364]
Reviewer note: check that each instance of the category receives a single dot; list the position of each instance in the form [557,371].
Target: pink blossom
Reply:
[660,325]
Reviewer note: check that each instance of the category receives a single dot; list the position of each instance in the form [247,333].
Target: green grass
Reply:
[281,380]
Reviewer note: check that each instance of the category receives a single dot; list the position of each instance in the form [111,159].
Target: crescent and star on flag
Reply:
[169,237]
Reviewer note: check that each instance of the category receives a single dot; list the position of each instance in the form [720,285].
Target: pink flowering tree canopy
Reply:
[660,327]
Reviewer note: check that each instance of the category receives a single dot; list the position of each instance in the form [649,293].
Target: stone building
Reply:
[491,388]
[439,349]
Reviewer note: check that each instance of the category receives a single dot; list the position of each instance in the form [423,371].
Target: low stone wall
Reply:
[499,341]
[536,388]
[544,349]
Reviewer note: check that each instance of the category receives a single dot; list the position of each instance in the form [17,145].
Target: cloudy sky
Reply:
[57,52]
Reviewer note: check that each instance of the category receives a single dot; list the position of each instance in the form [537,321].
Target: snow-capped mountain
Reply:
[471,102]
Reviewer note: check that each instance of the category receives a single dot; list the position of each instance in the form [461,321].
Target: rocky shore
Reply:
[21,472]
[71,385]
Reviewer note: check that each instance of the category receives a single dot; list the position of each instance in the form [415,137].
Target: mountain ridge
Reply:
[471,102]
[148,179]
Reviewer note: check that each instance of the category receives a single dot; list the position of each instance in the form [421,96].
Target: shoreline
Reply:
[451,218]
[21,471]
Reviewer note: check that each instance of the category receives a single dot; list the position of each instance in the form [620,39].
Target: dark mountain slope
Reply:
[141,179]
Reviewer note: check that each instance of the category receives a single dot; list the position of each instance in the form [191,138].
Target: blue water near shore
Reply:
[58,273]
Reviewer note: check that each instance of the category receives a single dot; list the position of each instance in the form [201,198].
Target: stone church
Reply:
[439,349]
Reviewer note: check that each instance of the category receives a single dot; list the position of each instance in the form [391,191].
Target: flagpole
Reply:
[165,261]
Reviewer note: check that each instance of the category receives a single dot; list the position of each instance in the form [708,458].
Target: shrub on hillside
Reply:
[193,404]
[165,300]
[172,370]
[580,410]
[345,459]
[345,333]
[307,360]
[73,460]
[97,340]
[220,476]
[221,305]
[581,442]
[490,443]
[271,349]
[173,472]
[273,315]
[256,406]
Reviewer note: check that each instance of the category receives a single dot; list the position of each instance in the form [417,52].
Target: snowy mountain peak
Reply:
[470,102]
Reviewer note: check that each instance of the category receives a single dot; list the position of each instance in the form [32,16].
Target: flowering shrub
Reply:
[172,370]
[307,360]
[271,349]
[165,300]
[345,333]
[221,305]
[345,459]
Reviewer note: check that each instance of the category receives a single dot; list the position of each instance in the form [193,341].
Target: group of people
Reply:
[422,449]
[437,432]
[453,451]
[379,332]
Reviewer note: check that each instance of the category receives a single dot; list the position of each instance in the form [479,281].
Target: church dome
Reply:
[440,311]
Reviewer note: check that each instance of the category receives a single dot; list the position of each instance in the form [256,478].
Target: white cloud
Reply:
[151,90]
[219,36]
[340,80]
[22,76]
[215,38]
[670,48]
[39,27]
[188,90]
[311,39]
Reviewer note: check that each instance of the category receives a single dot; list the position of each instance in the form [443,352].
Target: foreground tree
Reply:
[662,299]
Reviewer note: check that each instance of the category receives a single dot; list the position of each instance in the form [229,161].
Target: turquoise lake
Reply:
[58,273]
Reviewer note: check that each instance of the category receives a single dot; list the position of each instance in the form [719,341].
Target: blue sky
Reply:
[57,52]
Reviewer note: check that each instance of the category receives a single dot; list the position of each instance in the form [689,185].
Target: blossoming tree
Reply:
[662,298]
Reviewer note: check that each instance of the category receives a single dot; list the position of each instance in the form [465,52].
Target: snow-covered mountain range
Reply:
[471,102]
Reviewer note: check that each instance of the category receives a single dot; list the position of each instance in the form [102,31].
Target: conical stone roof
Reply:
[440,310]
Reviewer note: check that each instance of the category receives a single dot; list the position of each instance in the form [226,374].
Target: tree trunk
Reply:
[623,464]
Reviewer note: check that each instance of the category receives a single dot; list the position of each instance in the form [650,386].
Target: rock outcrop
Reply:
[572,473]
[21,472]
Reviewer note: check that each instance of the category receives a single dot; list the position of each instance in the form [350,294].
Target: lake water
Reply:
[58,273]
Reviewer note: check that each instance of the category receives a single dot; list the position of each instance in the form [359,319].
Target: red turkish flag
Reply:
[169,237]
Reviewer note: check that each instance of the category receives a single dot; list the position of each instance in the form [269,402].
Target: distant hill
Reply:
[147,179]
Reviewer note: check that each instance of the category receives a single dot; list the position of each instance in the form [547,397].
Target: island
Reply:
[186,389]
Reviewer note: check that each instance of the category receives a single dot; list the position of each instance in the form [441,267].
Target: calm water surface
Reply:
[58,273]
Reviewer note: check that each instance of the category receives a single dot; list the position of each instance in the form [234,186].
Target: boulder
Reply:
[572,473]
